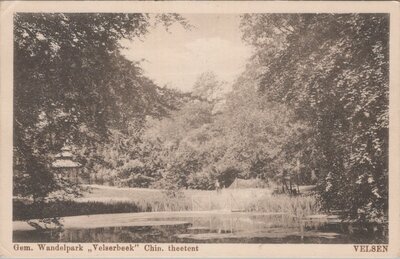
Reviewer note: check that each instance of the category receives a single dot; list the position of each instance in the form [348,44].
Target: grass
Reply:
[257,200]
[23,211]
[144,199]
[299,206]
[102,200]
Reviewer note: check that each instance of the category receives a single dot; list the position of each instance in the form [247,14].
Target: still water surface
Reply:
[232,228]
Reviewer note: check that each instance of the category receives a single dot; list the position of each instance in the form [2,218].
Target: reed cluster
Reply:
[139,200]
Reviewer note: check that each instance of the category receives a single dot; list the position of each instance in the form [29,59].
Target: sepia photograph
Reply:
[200,128]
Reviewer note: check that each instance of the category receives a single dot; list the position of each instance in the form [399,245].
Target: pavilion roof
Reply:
[66,154]
[65,163]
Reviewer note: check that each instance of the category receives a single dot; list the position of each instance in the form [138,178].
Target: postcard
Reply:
[199,129]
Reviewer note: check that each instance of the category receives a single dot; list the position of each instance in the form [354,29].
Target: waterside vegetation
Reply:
[310,108]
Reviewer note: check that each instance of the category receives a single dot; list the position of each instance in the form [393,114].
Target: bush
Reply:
[201,181]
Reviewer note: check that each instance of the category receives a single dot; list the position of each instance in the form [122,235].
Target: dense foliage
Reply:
[332,70]
[310,107]
[72,85]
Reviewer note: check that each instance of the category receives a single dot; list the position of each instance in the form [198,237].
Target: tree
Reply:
[261,135]
[208,87]
[332,69]
[72,84]
[177,143]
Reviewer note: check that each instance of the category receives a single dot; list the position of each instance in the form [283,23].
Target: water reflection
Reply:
[232,228]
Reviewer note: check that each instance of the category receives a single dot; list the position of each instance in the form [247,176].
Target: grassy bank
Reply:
[23,211]
[251,199]
[102,200]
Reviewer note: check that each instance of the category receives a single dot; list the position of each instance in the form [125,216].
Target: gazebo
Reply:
[65,166]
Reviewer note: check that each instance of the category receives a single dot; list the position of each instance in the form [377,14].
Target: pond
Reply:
[214,228]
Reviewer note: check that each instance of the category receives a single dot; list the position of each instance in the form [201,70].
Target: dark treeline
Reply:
[311,105]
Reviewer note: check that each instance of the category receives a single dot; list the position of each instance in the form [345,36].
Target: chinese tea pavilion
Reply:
[65,166]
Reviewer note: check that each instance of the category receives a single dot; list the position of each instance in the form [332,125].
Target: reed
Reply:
[259,200]
[250,200]
[299,206]
[145,200]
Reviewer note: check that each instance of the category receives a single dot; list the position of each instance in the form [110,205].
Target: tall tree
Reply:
[332,69]
[72,84]
[208,86]
[178,143]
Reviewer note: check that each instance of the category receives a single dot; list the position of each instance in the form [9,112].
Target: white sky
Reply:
[177,57]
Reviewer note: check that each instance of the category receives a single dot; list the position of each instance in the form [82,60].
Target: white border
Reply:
[206,250]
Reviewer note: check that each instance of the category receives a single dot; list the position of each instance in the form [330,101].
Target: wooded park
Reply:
[304,125]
